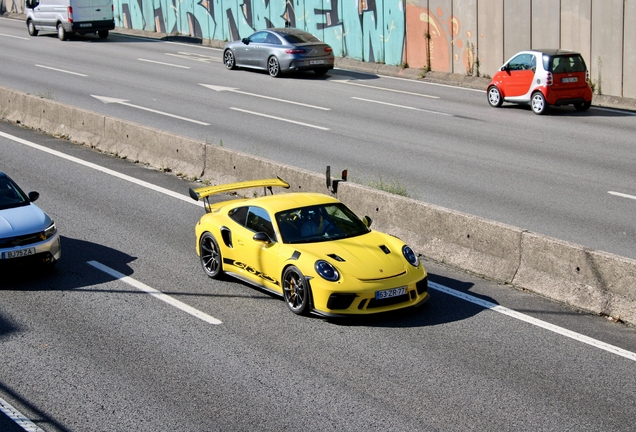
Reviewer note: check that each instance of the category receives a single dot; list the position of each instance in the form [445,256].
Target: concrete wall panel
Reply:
[546,24]
[607,46]
[517,26]
[441,30]
[464,34]
[490,44]
[576,27]
[629,50]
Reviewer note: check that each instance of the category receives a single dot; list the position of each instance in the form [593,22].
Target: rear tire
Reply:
[538,103]
[61,33]
[583,106]
[103,34]
[321,71]
[273,67]
[494,97]
[210,254]
[31,28]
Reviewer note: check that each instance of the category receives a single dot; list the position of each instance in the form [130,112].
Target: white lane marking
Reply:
[433,285]
[60,70]
[383,88]
[108,100]
[163,63]
[100,168]
[194,57]
[14,37]
[536,322]
[402,106]
[235,90]
[280,118]
[622,195]
[17,417]
[155,293]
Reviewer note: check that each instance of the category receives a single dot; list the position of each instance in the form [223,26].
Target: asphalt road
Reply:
[85,349]
[569,175]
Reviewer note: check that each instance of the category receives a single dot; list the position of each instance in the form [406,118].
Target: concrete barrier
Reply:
[591,280]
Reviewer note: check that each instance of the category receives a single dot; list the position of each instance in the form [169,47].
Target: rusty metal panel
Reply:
[490,44]
[464,32]
[607,46]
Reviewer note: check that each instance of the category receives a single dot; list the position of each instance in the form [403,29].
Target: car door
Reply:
[250,52]
[520,75]
[257,259]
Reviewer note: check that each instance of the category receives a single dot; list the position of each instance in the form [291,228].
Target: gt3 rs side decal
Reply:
[251,270]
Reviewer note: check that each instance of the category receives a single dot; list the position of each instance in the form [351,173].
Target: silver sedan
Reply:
[278,51]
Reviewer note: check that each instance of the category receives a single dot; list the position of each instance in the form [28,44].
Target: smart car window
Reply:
[522,62]
[568,64]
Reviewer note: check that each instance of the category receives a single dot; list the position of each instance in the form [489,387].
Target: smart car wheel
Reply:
[583,106]
[210,256]
[273,67]
[296,291]
[494,97]
[228,59]
[32,30]
[539,104]
[61,33]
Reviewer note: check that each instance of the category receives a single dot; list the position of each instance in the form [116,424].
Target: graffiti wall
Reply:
[471,37]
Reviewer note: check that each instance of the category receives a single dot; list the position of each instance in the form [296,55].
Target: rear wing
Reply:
[206,191]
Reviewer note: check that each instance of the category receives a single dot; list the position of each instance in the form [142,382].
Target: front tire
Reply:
[210,254]
[31,27]
[61,33]
[273,67]
[583,106]
[538,103]
[228,60]
[494,97]
[296,291]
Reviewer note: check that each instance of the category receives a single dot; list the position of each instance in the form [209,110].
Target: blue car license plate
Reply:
[18,253]
[393,292]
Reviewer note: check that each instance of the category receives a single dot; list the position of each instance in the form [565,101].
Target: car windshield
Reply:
[317,223]
[298,38]
[11,195]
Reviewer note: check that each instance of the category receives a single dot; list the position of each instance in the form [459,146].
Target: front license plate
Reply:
[312,62]
[18,254]
[568,80]
[393,292]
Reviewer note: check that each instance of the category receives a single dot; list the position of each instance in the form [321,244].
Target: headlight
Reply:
[410,256]
[50,231]
[327,271]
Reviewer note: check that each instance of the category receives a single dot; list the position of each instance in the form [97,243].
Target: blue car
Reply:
[27,234]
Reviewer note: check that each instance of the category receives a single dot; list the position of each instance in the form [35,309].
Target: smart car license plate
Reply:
[18,253]
[393,292]
[313,62]
[569,80]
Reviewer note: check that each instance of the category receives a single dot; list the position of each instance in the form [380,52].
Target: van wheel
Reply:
[103,34]
[61,33]
[31,27]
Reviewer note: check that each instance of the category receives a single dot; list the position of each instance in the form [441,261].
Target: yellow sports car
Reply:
[310,249]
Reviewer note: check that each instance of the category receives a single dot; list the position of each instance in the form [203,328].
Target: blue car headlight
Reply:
[410,256]
[50,231]
[327,271]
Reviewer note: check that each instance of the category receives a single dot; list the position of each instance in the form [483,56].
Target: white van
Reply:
[70,16]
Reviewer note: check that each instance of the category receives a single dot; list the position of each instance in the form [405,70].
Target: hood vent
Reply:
[336,257]
[385,249]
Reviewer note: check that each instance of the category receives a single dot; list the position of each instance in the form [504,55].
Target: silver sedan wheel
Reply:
[273,67]
[228,59]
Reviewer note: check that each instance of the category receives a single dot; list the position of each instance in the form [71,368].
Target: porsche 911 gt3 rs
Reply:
[308,248]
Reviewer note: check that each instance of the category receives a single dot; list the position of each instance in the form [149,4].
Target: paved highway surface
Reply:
[127,334]
[569,175]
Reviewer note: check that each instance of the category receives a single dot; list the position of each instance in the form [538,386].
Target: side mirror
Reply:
[33,195]
[246,41]
[367,221]
[262,237]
